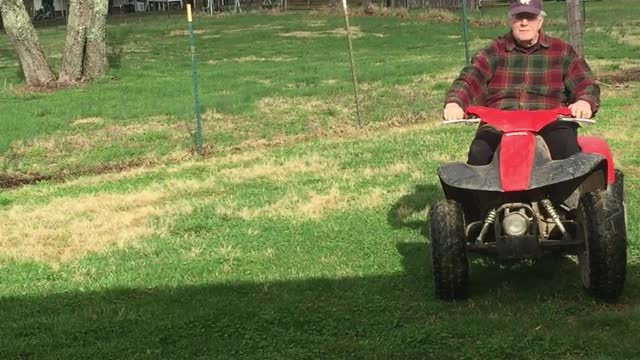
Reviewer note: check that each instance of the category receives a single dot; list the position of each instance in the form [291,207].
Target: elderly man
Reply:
[525,69]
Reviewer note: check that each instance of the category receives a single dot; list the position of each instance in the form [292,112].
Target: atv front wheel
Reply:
[603,261]
[448,251]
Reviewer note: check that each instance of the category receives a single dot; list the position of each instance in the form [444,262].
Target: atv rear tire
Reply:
[603,261]
[617,188]
[448,250]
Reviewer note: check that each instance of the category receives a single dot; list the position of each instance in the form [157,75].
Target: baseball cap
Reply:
[526,6]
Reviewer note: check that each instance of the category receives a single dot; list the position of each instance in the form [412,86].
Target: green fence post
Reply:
[195,83]
[466,29]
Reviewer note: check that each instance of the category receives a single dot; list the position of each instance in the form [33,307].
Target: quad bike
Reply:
[525,205]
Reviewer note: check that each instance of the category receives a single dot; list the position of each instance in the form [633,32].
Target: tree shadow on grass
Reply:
[370,317]
[8,56]
[407,210]
[544,276]
[116,42]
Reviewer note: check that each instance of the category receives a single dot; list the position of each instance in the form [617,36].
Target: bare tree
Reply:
[85,50]
[73,55]
[96,63]
[24,37]
[575,22]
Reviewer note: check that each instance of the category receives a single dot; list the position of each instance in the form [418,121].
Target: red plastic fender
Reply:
[595,145]
[517,151]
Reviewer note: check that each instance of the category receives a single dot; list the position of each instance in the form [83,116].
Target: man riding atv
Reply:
[525,69]
[530,185]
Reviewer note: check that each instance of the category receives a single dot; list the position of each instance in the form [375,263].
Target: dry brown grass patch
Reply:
[316,23]
[443,157]
[447,75]
[185,32]
[476,45]
[601,65]
[279,172]
[346,129]
[64,144]
[217,121]
[252,59]
[621,76]
[283,108]
[106,178]
[90,121]
[619,133]
[313,205]
[502,22]
[355,33]
[253,144]
[243,157]
[304,34]
[382,11]
[70,228]
[623,90]
[624,32]
[51,87]
[268,27]
[391,170]
[13,180]
[55,146]
[631,171]
[318,204]
[268,105]
[438,15]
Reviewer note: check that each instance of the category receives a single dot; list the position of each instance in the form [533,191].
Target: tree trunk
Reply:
[95,61]
[85,49]
[576,26]
[24,37]
[72,69]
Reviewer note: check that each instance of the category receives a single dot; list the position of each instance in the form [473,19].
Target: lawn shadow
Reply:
[116,42]
[369,317]
[546,276]
[416,261]
[8,55]
[407,210]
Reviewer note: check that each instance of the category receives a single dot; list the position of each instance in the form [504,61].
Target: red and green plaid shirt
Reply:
[506,76]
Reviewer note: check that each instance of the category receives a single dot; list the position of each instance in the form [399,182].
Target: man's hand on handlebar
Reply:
[581,109]
[453,111]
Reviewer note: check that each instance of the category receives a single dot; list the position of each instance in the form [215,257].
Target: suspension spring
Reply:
[551,211]
[490,219]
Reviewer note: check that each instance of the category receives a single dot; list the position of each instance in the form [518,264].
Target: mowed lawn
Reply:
[299,234]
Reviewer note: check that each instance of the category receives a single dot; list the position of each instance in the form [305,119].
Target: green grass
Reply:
[299,235]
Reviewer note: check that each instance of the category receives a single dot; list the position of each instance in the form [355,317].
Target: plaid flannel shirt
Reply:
[506,76]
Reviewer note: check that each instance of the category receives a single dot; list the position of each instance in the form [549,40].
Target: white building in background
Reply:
[61,6]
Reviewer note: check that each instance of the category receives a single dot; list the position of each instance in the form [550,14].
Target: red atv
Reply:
[525,205]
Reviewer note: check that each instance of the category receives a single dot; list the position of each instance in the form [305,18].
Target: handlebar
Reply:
[478,120]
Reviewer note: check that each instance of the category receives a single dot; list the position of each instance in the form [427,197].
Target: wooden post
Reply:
[353,64]
[575,25]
